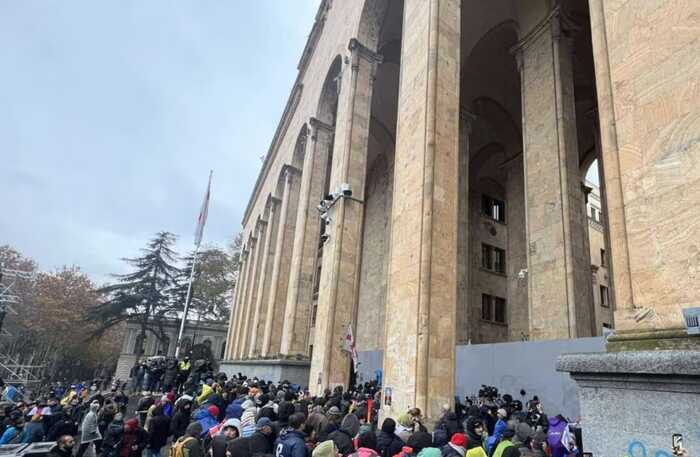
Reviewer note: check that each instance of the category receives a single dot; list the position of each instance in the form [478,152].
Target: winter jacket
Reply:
[497,433]
[206,420]
[450,424]
[291,444]
[180,420]
[502,446]
[158,432]
[388,444]
[219,444]
[557,426]
[89,431]
[260,443]
[63,426]
[343,437]
[248,418]
[365,452]
[9,435]
[234,410]
[113,439]
[449,450]
[56,451]
[33,432]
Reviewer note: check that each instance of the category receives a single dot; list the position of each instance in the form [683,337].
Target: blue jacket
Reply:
[235,410]
[497,433]
[291,444]
[9,435]
[206,420]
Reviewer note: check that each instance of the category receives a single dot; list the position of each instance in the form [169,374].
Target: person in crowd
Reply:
[63,447]
[112,439]
[262,440]
[475,437]
[447,425]
[134,439]
[230,430]
[90,432]
[14,429]
[63,424]
[292,440]
[206,417]
[498,429]
[344,436]
[181,418]
[457,447]
[523,436]
[366,445]
[388,442]
[33,430]
[189,444]
[325,449]
[504,447]
[555,432]
[419,441]
[158,432]
[250,412]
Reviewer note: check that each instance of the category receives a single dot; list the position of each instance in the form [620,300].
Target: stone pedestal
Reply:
[275,370]
[633,402]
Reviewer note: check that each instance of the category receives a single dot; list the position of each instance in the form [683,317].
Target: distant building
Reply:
[211,333]
[599,263]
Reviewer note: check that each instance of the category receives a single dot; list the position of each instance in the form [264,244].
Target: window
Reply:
[493,208]
[493,258]
[604,299]
[602,258]
[486,307]
[493,309]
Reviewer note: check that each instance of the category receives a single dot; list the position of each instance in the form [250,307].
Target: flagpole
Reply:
[187,304]
[199,233]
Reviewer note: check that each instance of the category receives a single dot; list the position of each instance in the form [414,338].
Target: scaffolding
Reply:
[13,370]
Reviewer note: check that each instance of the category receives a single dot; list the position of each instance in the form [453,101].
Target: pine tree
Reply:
[146,293]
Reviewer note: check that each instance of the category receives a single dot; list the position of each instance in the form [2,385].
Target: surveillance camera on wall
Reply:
[325,238]
[522,273]
[346,190]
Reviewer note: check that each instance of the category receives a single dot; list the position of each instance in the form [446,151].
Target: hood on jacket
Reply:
[350,425]
[248,404]
[405,420]
[325,449]
[235,423]
[194,429]
[206,392]
[555,420]
[430,452]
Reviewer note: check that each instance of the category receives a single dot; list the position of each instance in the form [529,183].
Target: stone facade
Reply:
[461,132]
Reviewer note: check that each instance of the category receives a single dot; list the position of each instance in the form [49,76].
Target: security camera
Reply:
[522,273]
[325,238]
[346,190]
[329,198]
[326,218]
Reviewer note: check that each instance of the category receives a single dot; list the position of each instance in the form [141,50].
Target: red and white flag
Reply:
[349,346]
[203,215]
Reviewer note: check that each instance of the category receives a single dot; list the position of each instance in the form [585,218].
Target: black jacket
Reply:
[159,430]
[260,443]
[388,444]
[343,441]
[58,452]
[449,451]
[64,426]
[179,423]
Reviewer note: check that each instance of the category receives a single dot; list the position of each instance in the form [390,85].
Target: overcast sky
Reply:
[113,112]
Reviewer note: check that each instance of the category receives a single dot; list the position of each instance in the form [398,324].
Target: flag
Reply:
[349,346]
[203,215]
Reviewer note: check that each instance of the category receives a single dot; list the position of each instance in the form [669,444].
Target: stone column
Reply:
[280,265]
[235,306]
[313,178]
[261,231]
[245,304]
[463,260]
[419,351]
[340,272]
[559,292]
[238,329]
[267,255]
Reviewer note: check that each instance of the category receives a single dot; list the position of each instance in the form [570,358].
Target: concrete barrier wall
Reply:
[530,366]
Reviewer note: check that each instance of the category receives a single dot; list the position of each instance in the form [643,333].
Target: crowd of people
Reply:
[241,417]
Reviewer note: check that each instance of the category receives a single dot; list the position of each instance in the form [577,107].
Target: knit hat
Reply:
[333,411]
[389,426]
[430,452]
[508,433]
[213,410]
[194,429]
[171,397]
[459,439]
[502,412]
[325,449]
[263,422]
[133,423]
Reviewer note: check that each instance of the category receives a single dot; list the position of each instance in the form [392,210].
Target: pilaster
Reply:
[341,256]
[419,351]
[559,289]
[303,264]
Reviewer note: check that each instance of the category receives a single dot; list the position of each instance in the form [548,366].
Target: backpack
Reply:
[178,449]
